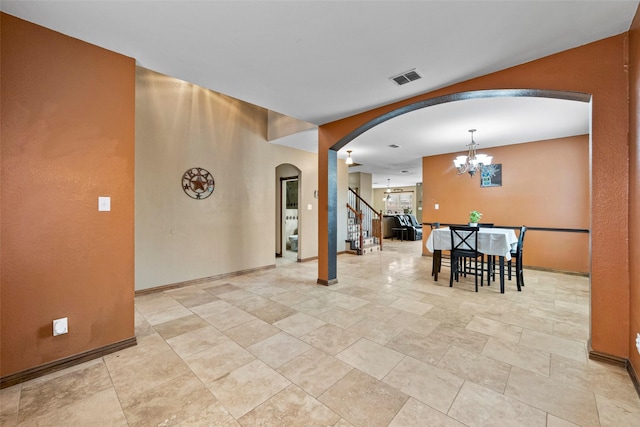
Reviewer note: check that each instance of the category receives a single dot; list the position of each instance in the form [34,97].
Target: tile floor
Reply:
[385,346]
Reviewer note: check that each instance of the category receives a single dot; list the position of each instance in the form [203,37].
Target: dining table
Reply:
[491,241]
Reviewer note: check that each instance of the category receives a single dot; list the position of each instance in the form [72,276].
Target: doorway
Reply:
[288,237]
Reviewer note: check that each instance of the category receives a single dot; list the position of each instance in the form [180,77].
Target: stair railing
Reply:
[364,215]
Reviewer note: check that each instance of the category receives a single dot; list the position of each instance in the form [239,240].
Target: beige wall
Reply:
[180,126]
[363,182]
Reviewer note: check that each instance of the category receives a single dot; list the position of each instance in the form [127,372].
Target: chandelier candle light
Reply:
[473,161]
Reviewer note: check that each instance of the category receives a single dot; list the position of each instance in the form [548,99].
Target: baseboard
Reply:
[634,377]
[327,282]
[554,270]
[201,280]
[57,365]
[617,361]
[608,358]
[312,258]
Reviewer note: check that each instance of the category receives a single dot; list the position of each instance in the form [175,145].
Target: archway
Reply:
[327,266]
[288,239]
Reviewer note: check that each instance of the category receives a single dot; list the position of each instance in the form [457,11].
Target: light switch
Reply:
[437,206]
[309,207]
[104,204]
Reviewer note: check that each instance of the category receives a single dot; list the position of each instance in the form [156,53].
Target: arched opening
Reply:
[288,219]
[327,267]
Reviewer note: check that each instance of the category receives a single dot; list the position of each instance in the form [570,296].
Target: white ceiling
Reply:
[320,61]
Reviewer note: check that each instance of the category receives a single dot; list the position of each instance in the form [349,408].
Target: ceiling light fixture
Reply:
[473,161]
[387,196]
[349,160]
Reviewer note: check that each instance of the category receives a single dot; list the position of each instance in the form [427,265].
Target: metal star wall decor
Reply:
[198,183]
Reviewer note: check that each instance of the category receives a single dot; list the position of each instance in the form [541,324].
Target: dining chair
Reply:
[491,259]
[516,254]
[464,245]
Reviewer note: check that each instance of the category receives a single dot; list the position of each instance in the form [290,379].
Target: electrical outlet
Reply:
[638,342]
[60,326]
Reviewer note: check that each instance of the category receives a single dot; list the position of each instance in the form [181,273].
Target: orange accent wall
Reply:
[634,181]
[68,114]
[540,188]
[600,69]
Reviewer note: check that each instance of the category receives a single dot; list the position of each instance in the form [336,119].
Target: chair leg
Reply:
[491,262]
[453,271]
[435,266]
[476,273]
[520,272]
[481,271]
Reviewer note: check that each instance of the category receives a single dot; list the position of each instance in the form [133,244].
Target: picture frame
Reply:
[491,175]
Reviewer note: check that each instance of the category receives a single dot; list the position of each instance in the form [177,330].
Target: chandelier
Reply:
[473,161]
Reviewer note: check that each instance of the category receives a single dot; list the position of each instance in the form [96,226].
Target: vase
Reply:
[473,224]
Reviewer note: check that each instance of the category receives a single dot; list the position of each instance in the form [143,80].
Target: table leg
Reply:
[437,259]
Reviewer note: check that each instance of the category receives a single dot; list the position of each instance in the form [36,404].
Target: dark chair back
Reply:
[523,230]
[464,239]
[464,244]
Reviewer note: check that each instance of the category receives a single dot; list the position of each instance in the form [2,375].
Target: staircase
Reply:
[364,226]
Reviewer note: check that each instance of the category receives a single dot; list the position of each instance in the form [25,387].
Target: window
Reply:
[399,202]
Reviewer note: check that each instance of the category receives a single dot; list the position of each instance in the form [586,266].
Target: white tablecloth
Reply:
[491,241]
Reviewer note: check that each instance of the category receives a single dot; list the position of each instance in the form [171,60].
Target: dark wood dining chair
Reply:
[464,245]
[516,254]
[490,259]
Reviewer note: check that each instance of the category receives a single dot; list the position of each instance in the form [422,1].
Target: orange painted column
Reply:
[68,132]
[634,181]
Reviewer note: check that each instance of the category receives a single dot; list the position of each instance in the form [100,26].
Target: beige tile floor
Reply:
[385,346]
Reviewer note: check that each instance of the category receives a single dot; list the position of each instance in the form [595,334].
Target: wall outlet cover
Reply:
[60,326]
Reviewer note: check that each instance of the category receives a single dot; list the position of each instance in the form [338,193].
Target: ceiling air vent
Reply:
[406,77]
[394,146]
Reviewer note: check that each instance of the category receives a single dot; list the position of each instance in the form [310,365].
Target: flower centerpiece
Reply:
[474,218]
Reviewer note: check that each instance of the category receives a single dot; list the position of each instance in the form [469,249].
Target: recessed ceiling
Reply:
[320,61]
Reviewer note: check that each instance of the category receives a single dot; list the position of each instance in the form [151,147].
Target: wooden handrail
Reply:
[362,200]
[358,214]
[364,212]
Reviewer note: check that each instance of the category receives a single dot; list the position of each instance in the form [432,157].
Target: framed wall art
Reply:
[491,175]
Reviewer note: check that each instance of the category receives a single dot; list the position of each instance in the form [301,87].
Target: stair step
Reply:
[368,249]
[370,241]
